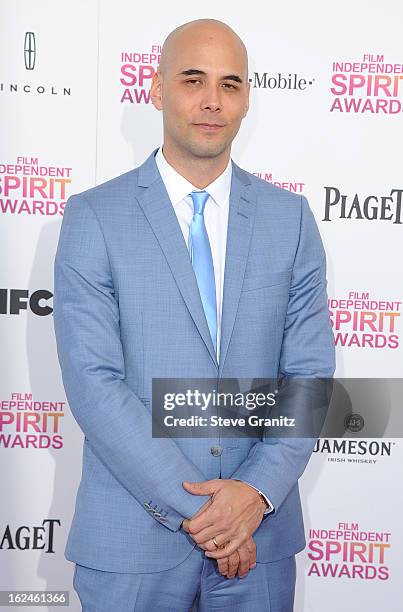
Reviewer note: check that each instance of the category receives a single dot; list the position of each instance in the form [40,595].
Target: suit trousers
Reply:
[193,585]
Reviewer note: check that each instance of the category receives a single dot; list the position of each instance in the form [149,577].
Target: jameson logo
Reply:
[358,207]
[353,447]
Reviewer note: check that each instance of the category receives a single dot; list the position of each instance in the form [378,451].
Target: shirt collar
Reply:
[178,187]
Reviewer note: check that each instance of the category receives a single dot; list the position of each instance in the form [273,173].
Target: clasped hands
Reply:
[231,515]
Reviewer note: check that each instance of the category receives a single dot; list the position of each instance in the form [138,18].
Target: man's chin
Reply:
[207,149]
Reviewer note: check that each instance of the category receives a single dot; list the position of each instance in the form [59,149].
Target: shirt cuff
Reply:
[270,507]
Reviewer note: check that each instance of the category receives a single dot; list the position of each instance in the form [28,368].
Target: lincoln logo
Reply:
[29,50]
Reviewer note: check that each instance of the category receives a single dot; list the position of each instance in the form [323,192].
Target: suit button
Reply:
[216,451]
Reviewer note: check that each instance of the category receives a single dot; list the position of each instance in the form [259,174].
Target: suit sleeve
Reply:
[307,360]
[115,422]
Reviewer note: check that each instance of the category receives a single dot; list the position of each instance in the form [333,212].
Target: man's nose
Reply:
[211,99]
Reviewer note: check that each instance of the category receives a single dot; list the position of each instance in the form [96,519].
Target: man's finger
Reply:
[201,522]
[208,487]
[203,508]
[205,536]
[244,560]
[251,546]
[220,553]
[233,563]
[223,566]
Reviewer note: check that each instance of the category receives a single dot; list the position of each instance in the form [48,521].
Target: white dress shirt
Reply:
[215,218]
[216,221]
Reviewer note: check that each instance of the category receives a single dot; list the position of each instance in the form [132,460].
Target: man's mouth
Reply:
[209,127]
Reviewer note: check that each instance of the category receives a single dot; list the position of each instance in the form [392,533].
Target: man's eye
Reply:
[230,85]
[193,81]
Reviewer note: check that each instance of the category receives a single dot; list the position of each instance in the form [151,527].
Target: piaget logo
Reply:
[363,207]
[29,537]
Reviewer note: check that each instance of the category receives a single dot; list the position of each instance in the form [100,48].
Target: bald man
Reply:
[140,293]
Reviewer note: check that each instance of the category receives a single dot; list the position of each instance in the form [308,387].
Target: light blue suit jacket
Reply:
[127,309]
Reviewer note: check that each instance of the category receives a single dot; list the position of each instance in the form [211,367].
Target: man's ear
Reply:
[156,90]
[246,108]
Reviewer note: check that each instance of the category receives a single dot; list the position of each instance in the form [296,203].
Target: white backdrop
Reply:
[74,113]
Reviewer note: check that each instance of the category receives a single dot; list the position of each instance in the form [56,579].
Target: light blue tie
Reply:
[202,262]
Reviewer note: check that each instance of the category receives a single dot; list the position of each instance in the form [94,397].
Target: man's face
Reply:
[203,93]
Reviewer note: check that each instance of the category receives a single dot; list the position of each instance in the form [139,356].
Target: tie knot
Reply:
[199,201]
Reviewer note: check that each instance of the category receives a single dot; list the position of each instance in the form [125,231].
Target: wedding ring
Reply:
[218,546]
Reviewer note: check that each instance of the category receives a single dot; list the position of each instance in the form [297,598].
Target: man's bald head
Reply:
[200,31]
[202,88]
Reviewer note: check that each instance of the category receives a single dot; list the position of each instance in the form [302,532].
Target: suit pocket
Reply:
[266,279]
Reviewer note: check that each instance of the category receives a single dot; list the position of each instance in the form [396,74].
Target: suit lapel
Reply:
[157,207]
[241,217]
[159,211]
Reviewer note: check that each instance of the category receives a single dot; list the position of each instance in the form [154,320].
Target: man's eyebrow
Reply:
[196,71]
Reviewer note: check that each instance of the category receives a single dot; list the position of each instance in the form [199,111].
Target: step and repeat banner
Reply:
[325,121]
